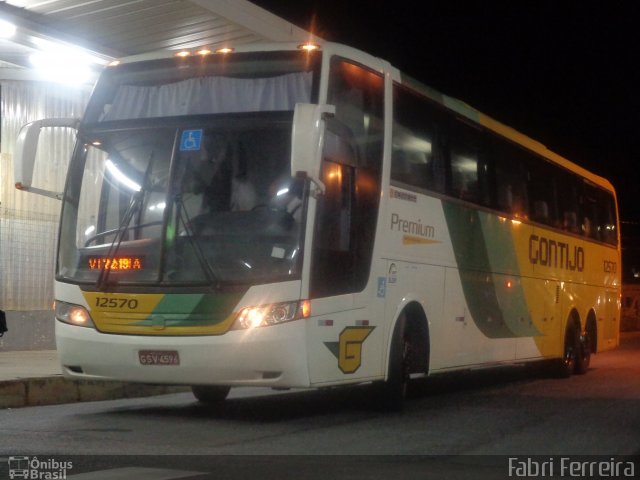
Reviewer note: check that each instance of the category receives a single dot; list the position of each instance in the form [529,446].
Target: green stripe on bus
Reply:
[503,262]
[497,310]
[188,310]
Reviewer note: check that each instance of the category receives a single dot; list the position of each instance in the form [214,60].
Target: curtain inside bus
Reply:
[210,95]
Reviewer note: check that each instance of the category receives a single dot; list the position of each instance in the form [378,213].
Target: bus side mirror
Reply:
[307,139]
[24,157]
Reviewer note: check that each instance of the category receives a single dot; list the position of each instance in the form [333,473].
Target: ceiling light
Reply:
[64,63]
[7,29]
[61,69]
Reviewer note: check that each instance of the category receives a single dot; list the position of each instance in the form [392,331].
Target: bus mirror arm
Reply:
[316,187]
[319,191]
[307,140]
[40,191]
[320,188]
[24,157]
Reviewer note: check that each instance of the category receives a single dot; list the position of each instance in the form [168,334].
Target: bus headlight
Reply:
[73,314]
[272,314]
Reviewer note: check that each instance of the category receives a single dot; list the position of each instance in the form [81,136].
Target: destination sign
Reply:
[115,263]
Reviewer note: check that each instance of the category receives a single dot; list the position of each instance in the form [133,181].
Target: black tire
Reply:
[592,332]
[392,393]
[583,358]
[210,394]
[566,365]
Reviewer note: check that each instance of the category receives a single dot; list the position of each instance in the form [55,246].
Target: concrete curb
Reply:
[55,390]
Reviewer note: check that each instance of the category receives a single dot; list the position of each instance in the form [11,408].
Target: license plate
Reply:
[159,357]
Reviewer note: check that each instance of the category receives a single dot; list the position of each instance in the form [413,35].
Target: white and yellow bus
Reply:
[311,217]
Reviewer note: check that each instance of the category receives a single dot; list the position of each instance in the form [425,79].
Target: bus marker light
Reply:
[309,47]
[305,309]
[224,50]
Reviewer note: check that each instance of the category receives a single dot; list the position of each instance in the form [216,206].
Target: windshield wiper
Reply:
[134,205]
[183,216]
[136,200]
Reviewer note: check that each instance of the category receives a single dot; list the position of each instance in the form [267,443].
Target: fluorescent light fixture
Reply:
[159,206]
[68,52]
[121,177]
[61,63]
[57,70]
[7,29]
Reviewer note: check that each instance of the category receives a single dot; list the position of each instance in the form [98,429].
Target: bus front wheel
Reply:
[391,393]
[210,394]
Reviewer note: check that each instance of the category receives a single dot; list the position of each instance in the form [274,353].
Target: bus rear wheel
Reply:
[570,357]
[210,394]
[583,357]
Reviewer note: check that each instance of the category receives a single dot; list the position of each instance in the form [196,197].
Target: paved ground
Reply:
[29,378]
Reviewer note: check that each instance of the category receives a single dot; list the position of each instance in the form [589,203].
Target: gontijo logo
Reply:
[552,253]
[348,348]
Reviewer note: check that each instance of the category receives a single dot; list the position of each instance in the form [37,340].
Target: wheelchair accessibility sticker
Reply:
[191,140]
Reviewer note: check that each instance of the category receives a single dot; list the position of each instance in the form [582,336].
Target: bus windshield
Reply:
[207,200]
[183,176]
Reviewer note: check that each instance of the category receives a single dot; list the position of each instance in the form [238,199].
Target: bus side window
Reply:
[467,173]
[464,174]
[356,93]
[606,218]
[352,168]
[568,196]
[509,177]
[542,192]
[333,259]
[588,212]
[414,159]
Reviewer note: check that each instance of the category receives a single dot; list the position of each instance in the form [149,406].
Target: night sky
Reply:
[562,72]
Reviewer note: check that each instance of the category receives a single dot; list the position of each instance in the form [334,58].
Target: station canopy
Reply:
[105,30]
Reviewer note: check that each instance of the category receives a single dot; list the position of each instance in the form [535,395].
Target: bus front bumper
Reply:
[272,356]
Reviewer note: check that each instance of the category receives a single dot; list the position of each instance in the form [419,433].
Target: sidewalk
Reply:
[29,378]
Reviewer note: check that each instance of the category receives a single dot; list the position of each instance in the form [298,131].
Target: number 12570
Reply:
[106,302]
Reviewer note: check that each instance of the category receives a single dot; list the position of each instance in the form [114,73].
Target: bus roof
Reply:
[450,103]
